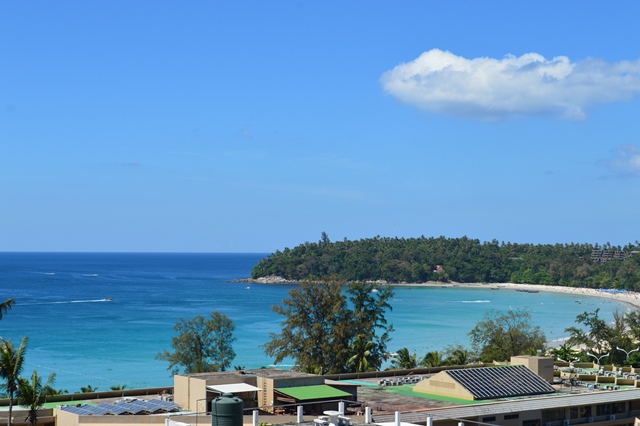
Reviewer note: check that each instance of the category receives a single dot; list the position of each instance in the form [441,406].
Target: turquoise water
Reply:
[88,340]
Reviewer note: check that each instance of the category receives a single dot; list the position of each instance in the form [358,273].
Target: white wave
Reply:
[475,301]
[46,273]
[67,301]
[89,275]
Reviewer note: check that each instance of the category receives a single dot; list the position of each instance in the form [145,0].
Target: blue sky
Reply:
[250,126]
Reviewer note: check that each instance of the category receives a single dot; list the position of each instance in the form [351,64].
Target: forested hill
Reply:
[458,259]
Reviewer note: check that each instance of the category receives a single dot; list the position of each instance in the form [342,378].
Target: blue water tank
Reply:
[226,410]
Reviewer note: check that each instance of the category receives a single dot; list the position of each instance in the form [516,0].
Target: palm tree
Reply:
[460,357]
[32,393]
[118,387]
[404,360]
[88,389]
[11,363]
[5,306]
[564,352]
[433,359]
[361,359]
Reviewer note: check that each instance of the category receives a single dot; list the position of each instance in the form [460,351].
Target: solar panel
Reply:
[124,407]
[500,382]
[101,409]
[83,410]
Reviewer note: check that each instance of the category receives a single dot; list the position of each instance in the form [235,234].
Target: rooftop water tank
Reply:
[226,410]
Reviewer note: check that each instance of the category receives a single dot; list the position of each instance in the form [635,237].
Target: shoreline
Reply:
[629,297]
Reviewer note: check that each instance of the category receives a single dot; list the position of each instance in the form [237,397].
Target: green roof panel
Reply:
[306,393]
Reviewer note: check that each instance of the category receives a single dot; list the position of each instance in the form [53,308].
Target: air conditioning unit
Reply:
[566,423]
[591,420]
[612,417]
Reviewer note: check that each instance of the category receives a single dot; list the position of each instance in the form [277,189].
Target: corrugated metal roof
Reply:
[305,393]
[517,406]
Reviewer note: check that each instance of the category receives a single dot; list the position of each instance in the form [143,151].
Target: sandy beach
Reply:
[629,297]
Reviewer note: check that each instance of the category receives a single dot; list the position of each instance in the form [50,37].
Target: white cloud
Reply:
[627,161]
[497,89]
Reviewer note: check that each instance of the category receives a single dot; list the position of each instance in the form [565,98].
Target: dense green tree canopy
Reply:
[328,330]
[608,341]
[499,336]
[453,259]
[201,345]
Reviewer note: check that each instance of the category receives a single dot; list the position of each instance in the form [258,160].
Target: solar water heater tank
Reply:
[226,410]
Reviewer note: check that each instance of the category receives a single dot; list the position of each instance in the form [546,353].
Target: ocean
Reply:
[99,319]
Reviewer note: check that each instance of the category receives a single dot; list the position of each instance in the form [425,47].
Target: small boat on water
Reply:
[527,291]
[495,288]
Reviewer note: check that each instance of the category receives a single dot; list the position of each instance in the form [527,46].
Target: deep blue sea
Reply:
[62,306]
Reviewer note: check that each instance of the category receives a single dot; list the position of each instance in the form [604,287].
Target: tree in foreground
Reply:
[499,336]
[326,330]
[601,337]
[5,306]
[201,345]
[88,389]
[404,360]
[433,359]
[458,354]
[11,364]
[362,359]
[32,394]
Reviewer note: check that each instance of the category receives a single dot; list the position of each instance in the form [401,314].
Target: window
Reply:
[603,409]
[618,407]
[553,415]
[488,419]
[580,412]
[511,416]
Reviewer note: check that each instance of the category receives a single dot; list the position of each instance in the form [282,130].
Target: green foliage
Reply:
[433,359]
[118,387]
[32,394]
[601,338]
[11,364]
[326,330]
[404,360]
[499,336]
[6,306]
[88,389]
[565,353]
[461,260]
[457,354]
[202,345]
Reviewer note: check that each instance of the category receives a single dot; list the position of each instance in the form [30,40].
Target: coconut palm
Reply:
[433,359]
[564,352]
[32,394]
[5,306]
[118,387]
[460,356]
[404,360]
[362,351]
[88,389]
[11,363]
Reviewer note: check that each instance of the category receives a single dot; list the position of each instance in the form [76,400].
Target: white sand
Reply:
[631,297]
